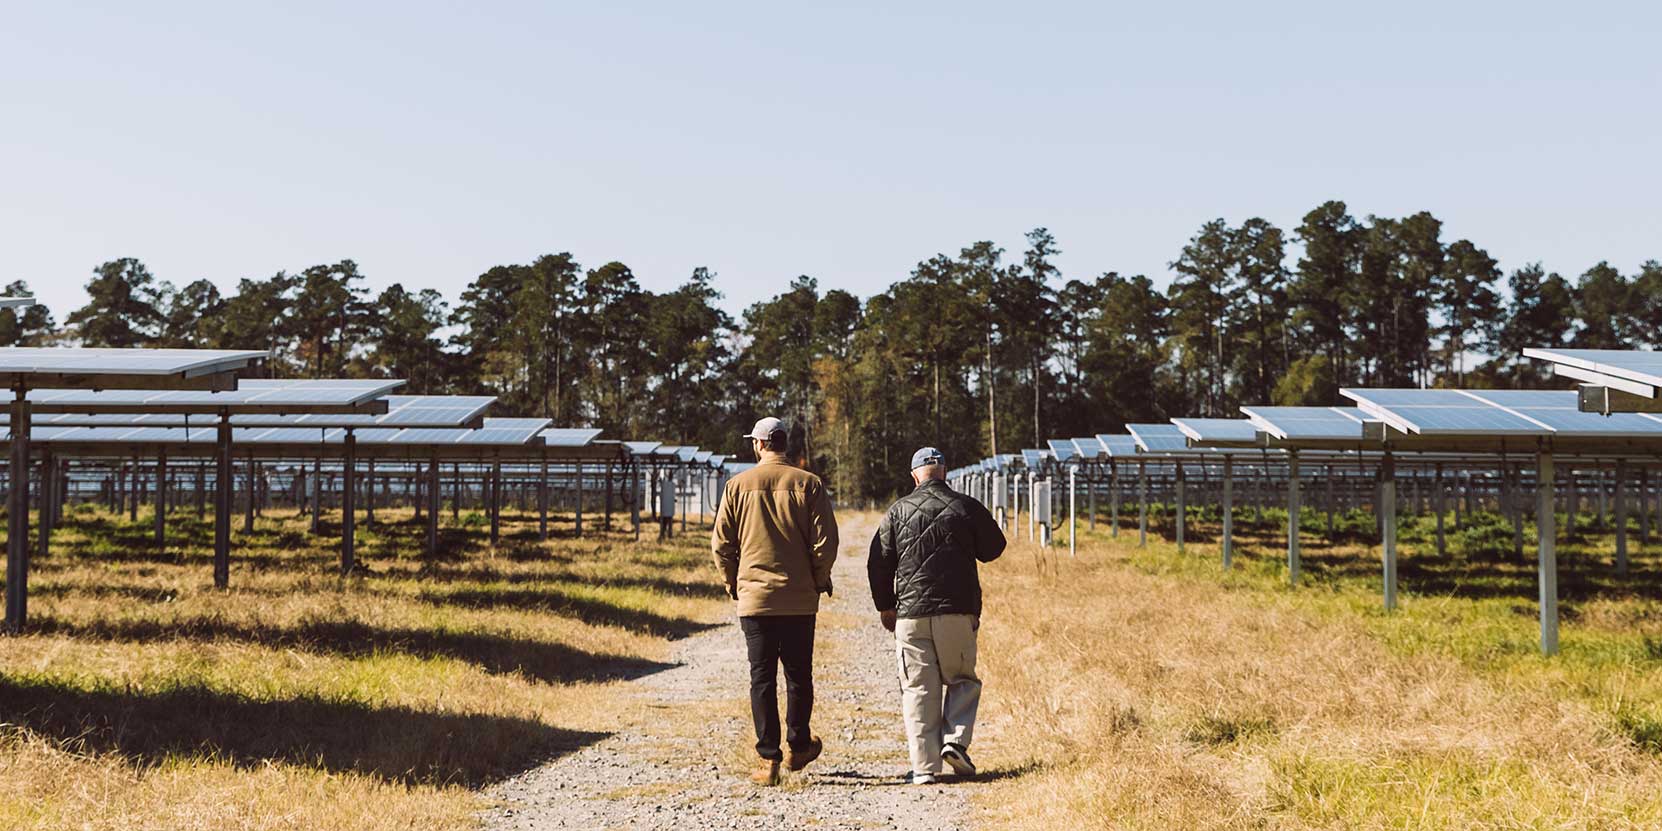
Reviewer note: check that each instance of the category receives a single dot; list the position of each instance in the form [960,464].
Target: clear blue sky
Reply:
[432,141]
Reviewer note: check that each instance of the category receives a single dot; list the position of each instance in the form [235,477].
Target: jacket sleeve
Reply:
[881,563]
[724,542]
[989,538]
[822,536]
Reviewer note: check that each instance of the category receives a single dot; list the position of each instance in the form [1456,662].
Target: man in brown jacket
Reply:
[775,539]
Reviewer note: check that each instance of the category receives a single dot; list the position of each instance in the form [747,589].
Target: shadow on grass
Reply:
[554,601]
[1583,574]
[861,779]
[537,660]
[396,744]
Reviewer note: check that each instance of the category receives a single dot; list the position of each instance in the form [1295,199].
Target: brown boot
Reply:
[797,761]
[766,773]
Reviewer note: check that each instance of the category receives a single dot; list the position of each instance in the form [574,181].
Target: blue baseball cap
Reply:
[927,456]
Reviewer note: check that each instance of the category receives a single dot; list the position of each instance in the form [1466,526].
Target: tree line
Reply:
[973,352]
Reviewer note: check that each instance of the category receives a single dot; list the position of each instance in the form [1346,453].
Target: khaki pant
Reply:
[938,688]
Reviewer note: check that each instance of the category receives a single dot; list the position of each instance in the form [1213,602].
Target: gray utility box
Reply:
[1041,502]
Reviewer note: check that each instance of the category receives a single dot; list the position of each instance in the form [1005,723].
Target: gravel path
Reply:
[682,765]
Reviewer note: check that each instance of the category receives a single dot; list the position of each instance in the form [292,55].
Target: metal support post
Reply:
[348,510]
[1292,517]
[1548,555]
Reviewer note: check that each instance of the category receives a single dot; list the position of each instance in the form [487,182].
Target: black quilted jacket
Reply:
[922,560]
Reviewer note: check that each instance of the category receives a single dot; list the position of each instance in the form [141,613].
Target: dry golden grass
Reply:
[1145,689]
[145,698]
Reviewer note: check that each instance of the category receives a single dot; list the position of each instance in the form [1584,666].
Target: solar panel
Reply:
[1219,430]
[1033,458]
[33,360]
[569,436]
[1158,438]
[1307,423]
[1642,366]
[702,457]
[1062,449]
[1560,411]
[1118,444]
[1088,448]
[1442,412]
[641,448]
[261,393]
[508,431]
[686,454]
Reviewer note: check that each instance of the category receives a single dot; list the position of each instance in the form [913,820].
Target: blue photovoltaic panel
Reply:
[686,454]
[1118,444]
[1158,438]
[641,448]
[1560,411]
[1307,423]
[1089,448]
[1644,367]
[281,435]
[569,436]
[1062,449]
[510,431]
[1230,430]
[402,411]
[717,461]
[1033,458]
[671,450]
[428,435]
[25,360]
[429,410]
[1441,412]
[702,457]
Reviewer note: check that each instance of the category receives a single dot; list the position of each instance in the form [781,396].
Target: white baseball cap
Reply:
[765,429]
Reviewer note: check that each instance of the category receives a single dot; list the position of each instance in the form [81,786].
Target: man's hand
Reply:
[888,619]
[733,590]
[826,589]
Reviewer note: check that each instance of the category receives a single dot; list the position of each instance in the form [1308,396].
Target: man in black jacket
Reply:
[922,568]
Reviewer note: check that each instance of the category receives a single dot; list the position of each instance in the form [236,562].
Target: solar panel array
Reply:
[1559,411]
[1158,438]
[1640,366]
[1118,444]
[1063,449]
[29,360]
[512,432]
[1442,412]
[569,436]
[1089,448]
[263,393]
[1307,423]
[1034,458]
[1223,430]
[402,411]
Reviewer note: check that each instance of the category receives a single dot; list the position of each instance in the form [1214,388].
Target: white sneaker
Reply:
[921,778]
[959,759]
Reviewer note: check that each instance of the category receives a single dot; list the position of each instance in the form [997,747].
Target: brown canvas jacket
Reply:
[775,539]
